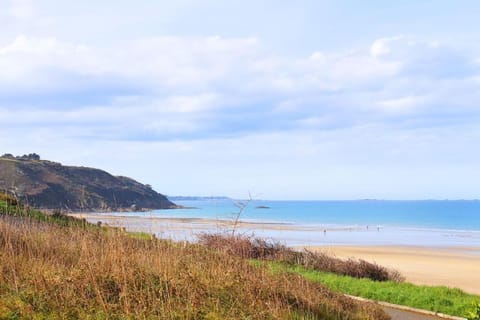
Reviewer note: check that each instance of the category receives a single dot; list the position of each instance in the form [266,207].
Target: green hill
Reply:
[50,185]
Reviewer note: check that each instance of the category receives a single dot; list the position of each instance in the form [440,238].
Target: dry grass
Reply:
[69,272]
[250,247]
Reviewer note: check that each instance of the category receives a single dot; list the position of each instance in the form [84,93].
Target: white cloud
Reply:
[36,62]
[190,104]
[379,48]
[216,80]
[167,61]
[203,64]
[382,46]
[402,104]
[193,63]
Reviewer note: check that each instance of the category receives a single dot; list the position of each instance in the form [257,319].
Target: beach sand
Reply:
[452,267]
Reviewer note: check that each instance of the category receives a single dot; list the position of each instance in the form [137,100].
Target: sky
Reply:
[277,99]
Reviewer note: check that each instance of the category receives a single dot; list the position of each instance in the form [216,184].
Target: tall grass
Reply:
[57,271]
[256,248]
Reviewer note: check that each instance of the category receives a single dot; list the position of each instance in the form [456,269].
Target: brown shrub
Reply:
[254,248]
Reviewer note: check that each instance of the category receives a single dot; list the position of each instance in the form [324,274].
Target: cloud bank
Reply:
[245,113]
[177,87]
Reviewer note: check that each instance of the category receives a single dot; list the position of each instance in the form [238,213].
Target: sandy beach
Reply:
[452,267]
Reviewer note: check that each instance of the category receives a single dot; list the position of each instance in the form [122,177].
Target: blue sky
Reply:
[282,99]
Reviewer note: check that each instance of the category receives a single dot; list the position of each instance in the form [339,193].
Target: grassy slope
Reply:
[440,299]
[54,268]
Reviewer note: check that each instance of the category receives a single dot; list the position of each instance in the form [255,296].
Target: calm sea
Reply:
[453,215]
[374,222]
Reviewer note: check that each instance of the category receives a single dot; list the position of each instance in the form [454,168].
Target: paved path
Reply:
[398,312]
[408,315]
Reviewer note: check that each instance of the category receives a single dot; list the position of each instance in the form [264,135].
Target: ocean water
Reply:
[362,222]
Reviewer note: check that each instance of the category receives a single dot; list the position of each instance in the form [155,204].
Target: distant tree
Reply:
[30,156]
[8,155]
[34,156]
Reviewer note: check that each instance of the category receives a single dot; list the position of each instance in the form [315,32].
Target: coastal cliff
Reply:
[50,185]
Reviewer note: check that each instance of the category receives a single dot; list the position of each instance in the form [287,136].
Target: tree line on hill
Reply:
[30,156]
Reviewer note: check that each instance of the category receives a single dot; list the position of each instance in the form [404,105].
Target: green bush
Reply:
[474,315]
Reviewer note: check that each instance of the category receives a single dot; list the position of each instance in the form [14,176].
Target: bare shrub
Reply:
[251,247]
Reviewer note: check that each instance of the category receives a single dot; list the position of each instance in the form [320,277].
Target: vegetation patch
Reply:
[434,298]
[353,277]
[11,207]
[249,247]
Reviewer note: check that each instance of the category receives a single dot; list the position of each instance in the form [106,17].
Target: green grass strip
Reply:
[17,210]
[441,299]
[140,235]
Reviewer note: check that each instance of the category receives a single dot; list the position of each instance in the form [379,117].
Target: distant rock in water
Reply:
[50,185]
[262,207]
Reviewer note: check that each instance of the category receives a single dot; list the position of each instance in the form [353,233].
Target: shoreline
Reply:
[189,223]
[185,228]
[287,226]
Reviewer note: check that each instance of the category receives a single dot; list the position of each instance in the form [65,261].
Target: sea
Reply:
[430,223]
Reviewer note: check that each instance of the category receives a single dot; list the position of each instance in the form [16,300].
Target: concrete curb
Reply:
[405,308]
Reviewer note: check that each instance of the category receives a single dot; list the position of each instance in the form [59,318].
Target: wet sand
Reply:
[453,267]
[160,224]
